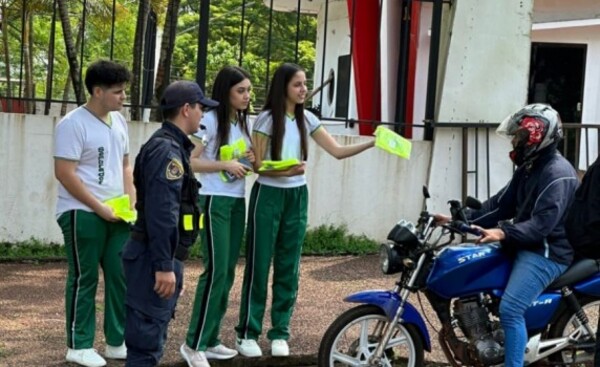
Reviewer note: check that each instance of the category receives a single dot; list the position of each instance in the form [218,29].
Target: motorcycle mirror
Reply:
[426,192]
[473,203]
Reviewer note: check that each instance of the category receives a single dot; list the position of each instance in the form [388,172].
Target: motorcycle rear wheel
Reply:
[566,324]
[352,338]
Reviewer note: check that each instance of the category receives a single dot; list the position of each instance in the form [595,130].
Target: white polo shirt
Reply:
[98,148]
[291,147]
[212,184]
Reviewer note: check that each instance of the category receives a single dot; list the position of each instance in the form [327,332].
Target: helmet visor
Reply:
[509,126]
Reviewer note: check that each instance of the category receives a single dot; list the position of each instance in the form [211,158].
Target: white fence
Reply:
[368,193]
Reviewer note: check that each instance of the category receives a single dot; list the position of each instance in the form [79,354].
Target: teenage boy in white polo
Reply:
[91,150]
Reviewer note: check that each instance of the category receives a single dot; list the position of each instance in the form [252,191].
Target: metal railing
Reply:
[580,146]
[34,47]
[31,84]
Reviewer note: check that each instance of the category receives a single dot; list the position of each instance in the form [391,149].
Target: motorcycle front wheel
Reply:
[582,352]
[353,336]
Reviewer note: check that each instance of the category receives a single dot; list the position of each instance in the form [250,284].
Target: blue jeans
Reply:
[531,274]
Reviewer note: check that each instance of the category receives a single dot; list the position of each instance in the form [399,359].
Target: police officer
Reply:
[167,224]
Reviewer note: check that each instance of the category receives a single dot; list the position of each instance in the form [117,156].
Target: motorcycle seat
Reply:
[579,270]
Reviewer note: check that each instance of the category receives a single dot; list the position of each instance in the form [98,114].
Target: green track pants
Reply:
[276,229]
[221,239]
[91,241]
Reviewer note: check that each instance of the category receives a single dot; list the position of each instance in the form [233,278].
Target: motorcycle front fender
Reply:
[389,303]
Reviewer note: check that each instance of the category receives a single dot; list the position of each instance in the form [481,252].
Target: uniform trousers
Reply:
[221,239]
[276,228]
[91,241]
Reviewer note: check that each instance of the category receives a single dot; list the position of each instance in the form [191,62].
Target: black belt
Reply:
[181,252]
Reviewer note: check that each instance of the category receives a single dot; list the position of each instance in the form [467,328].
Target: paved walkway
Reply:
[32,316]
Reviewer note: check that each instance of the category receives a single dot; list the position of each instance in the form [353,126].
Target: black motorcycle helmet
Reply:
[531,129]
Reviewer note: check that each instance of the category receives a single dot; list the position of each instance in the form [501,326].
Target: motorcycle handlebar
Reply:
[465,228]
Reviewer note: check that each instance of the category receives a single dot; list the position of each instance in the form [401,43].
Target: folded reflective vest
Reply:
[392,143]
[278,165]
[121,206]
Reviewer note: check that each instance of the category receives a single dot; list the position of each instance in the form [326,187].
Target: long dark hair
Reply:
[225,80]
[276,103]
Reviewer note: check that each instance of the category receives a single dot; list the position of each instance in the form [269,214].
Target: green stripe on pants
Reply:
[221,239]
[91,241]
[276,229]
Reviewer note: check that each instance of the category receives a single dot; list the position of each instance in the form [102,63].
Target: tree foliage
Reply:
[236,37]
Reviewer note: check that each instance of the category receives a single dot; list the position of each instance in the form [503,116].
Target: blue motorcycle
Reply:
[463,284]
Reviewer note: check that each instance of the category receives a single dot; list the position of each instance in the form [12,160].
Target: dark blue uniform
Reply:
[167,225]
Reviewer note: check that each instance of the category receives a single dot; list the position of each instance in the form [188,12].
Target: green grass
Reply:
[31,249]
[3,351]
[335,240]
[325,240]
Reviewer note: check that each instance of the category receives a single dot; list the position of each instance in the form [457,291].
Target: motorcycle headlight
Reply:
[404,232]
[390,259]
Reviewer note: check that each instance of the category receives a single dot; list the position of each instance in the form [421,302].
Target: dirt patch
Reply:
[32,308]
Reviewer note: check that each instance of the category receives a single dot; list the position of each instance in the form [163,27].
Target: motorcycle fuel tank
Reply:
[468,269]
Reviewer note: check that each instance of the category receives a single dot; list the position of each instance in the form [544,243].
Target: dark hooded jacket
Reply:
[583,221]
[531,209]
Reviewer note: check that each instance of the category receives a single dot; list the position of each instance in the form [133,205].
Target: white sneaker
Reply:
[248,348]
[193,357]
[85,357]
[280,348]
[119,352]
[220,352]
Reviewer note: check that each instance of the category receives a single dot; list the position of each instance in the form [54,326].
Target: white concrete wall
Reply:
[556,10]
[484,79]
[369,192]
[27,206]
[590,36]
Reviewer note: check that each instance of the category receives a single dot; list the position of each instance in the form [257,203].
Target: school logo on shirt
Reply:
[174,170]
[100,165]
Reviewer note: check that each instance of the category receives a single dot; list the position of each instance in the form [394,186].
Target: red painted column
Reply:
[415,18]
[365,59]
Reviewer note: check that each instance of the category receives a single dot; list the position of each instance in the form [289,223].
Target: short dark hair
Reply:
[170,113]
[105,73]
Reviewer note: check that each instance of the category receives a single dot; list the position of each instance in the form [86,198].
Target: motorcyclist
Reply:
[527,217]
[583,225]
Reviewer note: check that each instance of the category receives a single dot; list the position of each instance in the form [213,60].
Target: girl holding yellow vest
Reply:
[223,156]
[277,213]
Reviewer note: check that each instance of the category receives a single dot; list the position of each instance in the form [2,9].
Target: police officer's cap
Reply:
[183,91]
